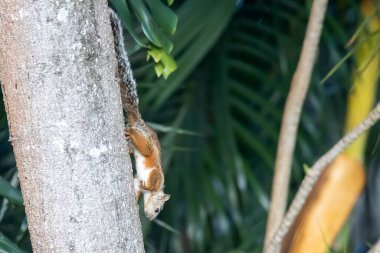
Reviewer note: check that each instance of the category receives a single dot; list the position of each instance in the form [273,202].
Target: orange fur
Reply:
[146,145]
[154,180]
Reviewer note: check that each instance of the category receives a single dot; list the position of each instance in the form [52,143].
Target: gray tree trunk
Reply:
[57,69]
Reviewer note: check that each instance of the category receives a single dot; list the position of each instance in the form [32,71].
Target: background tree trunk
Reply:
[57,68]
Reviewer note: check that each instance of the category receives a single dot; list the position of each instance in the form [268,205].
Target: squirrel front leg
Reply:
[145,142]
[140,140]
[131,148]
[137,186]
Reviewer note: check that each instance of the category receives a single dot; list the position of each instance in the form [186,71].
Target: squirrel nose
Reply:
[149,216]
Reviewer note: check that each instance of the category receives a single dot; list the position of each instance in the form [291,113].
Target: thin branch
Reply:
[290,121]
[313,175]
[375,248]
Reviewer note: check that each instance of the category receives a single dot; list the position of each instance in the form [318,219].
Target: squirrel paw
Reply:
[127,133]
[131,147]
[143,186]
[136,184]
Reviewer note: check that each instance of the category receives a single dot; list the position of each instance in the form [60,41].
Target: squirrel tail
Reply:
[127,83]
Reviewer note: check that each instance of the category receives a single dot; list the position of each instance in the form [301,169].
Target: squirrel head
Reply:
[153,203]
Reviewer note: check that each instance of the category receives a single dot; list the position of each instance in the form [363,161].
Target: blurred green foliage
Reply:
[219,114]
[157,22]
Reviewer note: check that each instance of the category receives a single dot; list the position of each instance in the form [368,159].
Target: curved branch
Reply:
[375,248]
[290,120]
[313,175]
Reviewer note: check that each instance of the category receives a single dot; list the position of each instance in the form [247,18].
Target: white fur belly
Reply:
[142,172]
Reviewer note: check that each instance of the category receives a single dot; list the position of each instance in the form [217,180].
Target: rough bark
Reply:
[57,69]
[291,118]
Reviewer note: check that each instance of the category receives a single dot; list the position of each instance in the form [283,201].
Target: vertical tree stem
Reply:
[63,103]
[291,117]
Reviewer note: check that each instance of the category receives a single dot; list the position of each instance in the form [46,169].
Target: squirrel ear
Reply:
[165,197]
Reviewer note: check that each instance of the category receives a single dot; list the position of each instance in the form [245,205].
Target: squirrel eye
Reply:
[156,210]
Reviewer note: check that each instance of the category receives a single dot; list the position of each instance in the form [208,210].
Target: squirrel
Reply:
[142,140]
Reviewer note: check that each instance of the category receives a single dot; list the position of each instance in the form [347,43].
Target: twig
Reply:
[375,248]
[313,175]
[290,120]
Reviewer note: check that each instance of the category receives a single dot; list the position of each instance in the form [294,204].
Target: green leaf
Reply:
[254,143]
[149,26]
[169,65]
[167,226]
[306,168]
[159,68]
[127,21]
[262,196]
[351,52]
[362,27]
[175,130]
[165,64]
[265,124]
[9,192]
[218,20]
[338,65]
[8,246]
[163,15]
[156,53]
[250,95]
[237,95]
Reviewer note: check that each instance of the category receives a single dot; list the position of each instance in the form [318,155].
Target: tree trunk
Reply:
[57,69]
